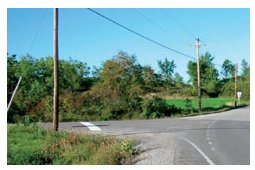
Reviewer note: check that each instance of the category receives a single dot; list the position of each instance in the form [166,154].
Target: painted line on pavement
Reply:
[198,149]
[91,126]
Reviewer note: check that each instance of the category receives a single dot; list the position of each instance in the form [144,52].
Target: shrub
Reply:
[157,108]
[188,106]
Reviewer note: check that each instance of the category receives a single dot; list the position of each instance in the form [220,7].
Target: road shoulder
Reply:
[155,149]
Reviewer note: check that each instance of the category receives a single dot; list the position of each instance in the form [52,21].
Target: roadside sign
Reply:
[239,94]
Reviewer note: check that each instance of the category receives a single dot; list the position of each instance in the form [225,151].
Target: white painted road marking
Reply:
[91,126]
[198,149]
[201,152]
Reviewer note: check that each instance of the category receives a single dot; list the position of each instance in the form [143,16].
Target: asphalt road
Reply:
[222,138]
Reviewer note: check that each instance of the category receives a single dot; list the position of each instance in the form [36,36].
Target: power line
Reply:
[150,21]
[37,31]
[178,23]
[187,31]
[157,25]
[144,37]
[140,35]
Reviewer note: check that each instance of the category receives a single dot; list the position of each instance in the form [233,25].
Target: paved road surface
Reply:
[222,138]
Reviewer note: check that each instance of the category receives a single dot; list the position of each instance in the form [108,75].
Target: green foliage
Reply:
[27,120]
[209,81]
[12,79]
[188,106]
[207,103]
[245,68]
[24,147]
[34,96]
[228,89]
[243,84]
[31,145]
[244,87]
[167,68]
[157,108]
[228,69]
[119,89]
[151,81]
[179,80]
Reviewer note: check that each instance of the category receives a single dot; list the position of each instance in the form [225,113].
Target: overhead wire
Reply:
[141,35]
[192,35]
[149,20]
[145,37]
[157,25]
[37,31]
[187,31]
[177,22]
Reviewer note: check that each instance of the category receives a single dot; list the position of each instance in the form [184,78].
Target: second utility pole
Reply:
[56,97]
[197,45]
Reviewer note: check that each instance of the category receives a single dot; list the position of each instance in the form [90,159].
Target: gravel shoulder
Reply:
[155,149]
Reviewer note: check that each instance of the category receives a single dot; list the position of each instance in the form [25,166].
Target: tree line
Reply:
[120,88]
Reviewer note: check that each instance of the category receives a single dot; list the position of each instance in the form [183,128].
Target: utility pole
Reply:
[236,67]
[197,45]
[56,96]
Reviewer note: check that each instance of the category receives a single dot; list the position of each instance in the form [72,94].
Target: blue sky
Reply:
[89,38]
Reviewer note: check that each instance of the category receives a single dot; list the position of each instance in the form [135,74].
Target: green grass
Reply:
[206,102]
[31,145]
[208,105]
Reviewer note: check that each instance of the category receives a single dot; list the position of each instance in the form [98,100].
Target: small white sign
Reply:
[239,94]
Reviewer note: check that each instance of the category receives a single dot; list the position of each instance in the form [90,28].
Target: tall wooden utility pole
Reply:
[236,67]
[197,45]
[56,97]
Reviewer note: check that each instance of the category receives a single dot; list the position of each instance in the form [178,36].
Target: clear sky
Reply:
[86,37]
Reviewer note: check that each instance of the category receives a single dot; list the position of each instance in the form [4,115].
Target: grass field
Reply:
[208,104]
[32,145]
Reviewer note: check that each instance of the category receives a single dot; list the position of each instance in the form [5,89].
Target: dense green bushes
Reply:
[120,89]
[157,108]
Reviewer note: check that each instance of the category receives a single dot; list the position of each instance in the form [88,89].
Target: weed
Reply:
[29,144]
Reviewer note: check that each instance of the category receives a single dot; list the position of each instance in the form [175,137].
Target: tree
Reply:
[34,96]
[244,82]
[228,69]
[166,68]
[208,75]
[72,74]
[12,78]
[178,80]
[120,86]
[245,67]
[150,79]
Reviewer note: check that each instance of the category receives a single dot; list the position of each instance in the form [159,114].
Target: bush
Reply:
[188,106]
[157,108]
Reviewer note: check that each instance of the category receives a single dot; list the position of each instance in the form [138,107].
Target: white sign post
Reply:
[239,94]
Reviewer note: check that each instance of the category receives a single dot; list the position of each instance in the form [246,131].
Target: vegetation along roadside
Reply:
[31,145]
[120,89]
